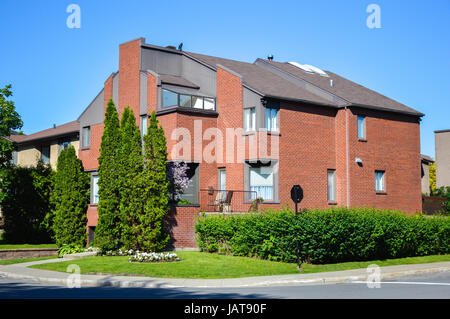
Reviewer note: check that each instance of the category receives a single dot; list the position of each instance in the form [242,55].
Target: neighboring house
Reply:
[45,145]
[442,149]
[425,162]
[344,144]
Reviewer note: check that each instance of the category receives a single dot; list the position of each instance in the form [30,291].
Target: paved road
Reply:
[424,286]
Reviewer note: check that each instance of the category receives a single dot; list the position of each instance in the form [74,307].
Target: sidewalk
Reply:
[20,271]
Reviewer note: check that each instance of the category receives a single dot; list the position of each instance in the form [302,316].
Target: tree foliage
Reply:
[432,172]
[130,168]
[9,120]
[151,231]
[70,198]
[25,204]
[108,228]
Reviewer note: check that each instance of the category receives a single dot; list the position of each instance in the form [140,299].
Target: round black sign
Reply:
[296,193]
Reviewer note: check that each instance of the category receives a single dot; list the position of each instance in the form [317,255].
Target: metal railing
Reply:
[227,201]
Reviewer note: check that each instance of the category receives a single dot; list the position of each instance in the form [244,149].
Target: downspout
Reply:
[347,156]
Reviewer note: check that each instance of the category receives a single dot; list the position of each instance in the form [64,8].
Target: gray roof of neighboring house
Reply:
[61,130]
[442,131]
[274,85]
[426,158]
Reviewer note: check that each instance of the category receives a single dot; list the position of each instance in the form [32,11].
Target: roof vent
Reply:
[309,68]
[170,47]
[270,57]
[331,83]
[54,125]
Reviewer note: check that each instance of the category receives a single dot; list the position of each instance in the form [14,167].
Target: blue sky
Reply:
[56,71]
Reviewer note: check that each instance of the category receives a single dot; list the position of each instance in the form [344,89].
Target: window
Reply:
[222,179]
[223,182]
[190,194]
[169,98]
[143,125]
[197,102]
[272,119]
[361,127]
[185,100]
[331,185]
[380,185]
[95,189]
[45,154]
[262,182]
[210,104]
[249,119]
[86,133]
[63,145]
[14,157]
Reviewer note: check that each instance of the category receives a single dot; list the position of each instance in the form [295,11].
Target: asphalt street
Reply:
[434,286]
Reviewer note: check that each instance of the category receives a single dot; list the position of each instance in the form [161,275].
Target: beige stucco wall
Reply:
[425,179]
[30,155]
[442,144]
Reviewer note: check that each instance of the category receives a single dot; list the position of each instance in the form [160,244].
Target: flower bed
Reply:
[137,256]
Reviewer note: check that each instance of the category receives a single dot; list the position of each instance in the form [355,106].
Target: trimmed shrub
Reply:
[325,236]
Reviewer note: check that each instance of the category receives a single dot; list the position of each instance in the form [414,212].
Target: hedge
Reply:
[325,236]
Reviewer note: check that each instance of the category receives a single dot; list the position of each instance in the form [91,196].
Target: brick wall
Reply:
[129,76]
[393,145]
[90,155]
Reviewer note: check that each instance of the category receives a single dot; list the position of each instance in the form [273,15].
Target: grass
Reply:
[25,246]
[22,260]
[196,265]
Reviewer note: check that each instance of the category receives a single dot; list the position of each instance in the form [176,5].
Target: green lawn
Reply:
[205,265]
[22,260]
[24,246]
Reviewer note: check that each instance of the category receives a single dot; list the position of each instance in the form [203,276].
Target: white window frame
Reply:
[250,119]
[272,124]
[361,130]
[95,196]
[380,184]
[86,141]
[331,188]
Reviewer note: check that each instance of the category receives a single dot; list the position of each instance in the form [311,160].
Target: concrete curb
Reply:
[21,271]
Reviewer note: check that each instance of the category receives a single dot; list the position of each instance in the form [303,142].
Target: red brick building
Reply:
[253,130]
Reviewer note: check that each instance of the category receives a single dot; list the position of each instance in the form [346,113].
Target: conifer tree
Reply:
[151,234]
[70,198]
[131,165]
[108,228]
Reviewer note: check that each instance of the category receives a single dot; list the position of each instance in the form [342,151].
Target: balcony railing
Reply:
[227,201]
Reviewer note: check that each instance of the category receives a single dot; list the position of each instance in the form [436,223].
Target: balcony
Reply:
[214,201]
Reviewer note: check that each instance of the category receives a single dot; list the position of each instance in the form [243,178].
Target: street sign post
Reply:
[297,196]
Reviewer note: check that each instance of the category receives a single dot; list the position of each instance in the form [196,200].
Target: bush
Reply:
[25,204]
[325,236]
[70,249]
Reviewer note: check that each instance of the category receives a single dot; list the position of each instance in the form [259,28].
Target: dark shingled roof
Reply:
[350,91]
[64,129]
[263,81]
[177,80]
[273,85]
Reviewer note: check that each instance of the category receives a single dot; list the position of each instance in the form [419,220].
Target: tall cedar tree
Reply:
[70,198]
[108,229]
[130,168]
[151,233]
